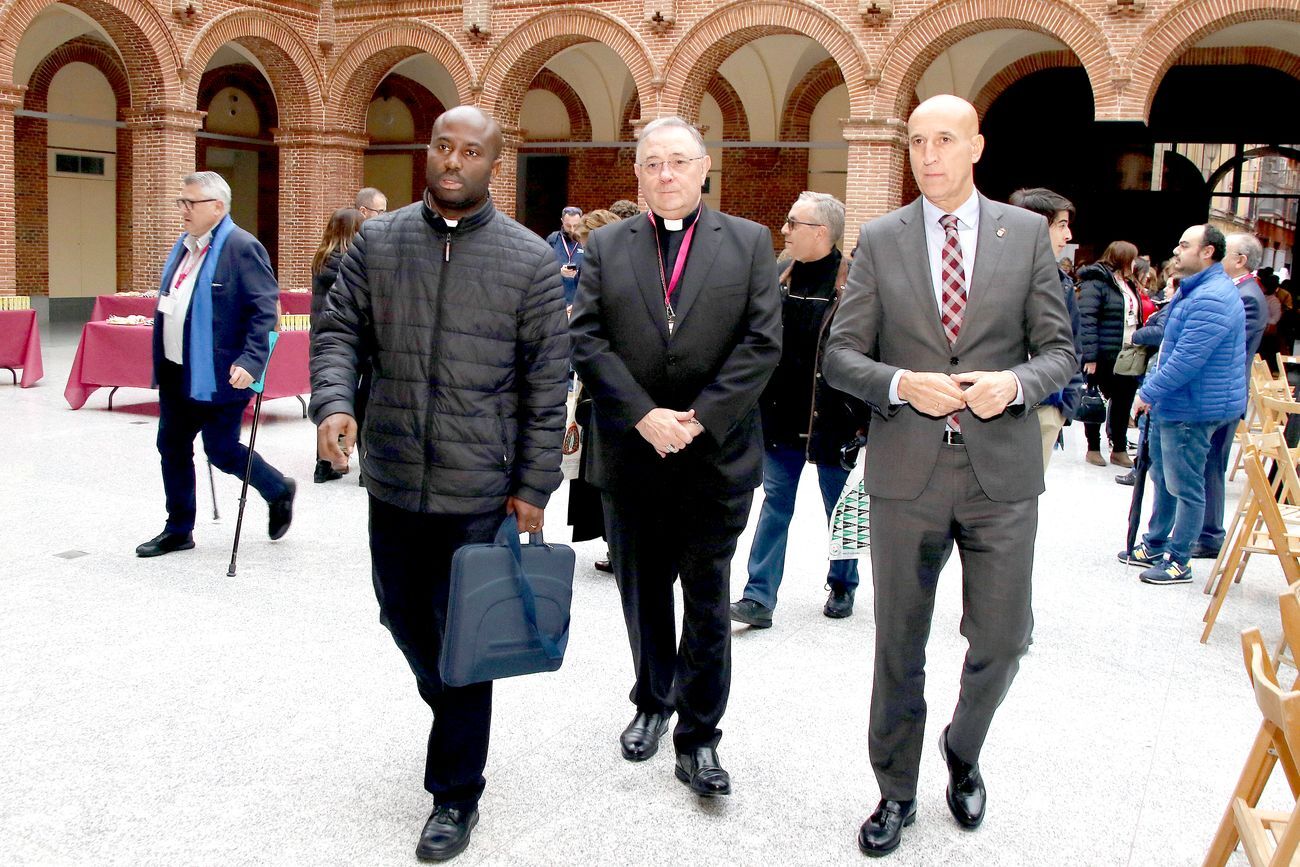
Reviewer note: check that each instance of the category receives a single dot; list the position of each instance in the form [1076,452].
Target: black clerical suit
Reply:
[679,515]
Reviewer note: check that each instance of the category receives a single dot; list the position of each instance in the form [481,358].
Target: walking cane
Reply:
[257,387]
[212,485]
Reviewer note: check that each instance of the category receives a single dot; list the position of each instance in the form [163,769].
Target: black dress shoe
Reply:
[640,740]
[700,770]
[965,795]
[883,830]
[839,603]
[281,510]
[446,834]
[325,472]
[1201,552]
[165,543]
[604,565]
[756,614]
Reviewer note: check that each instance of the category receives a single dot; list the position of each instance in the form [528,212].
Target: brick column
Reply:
[11,98]
[877,154]
[320,171]
[162,152]
[504,187]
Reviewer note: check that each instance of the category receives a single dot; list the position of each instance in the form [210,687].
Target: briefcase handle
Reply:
[508,535]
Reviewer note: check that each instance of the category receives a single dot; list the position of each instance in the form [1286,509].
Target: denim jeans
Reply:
[1178,453]
[781,470]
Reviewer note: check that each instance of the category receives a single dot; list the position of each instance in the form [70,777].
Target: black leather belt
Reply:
[952,438]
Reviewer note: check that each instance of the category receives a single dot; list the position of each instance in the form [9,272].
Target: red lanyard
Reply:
[192,262]
[670,286]
[567,252]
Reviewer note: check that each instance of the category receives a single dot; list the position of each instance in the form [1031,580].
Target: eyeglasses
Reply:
[188,204]
[791,221]
[373,210]
[676,165]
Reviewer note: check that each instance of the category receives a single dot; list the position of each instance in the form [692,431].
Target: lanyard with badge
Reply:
[166,301]
[668,286]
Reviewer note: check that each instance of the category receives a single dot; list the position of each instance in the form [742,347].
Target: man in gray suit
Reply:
[951,328]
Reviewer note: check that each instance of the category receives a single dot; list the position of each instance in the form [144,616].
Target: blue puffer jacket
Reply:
[1201,374]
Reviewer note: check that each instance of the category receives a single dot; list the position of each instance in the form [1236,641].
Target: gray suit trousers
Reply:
[911,541]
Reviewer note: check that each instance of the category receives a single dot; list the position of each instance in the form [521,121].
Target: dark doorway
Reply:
[543,190]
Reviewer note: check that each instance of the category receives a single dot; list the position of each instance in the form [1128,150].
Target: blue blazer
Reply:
[245,299]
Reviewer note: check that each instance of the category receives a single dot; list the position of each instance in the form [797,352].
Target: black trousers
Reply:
[654,537]
[410,556]
[180,420]
[1119,391]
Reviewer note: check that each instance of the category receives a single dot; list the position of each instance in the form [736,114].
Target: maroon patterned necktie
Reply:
[953,280]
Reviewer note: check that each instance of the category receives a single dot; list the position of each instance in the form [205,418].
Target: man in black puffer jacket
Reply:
[461,310]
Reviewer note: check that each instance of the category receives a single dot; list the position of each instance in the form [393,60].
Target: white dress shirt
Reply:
[176,303]
[968,221]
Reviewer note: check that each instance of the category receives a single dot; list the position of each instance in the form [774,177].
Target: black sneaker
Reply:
[1167,571]
[281,511]
[839,603]
[756,614]
[325,472]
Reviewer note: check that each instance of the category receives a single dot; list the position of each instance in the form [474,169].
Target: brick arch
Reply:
[90,50]
[719,34]
[137,30]
[802,102]
[281,50]
[514,63]
[1165,42]
[31,138]
[249,79]
[946,23]
[1013,72]
[735,122]
[631,111]
[368,58]
[579,120]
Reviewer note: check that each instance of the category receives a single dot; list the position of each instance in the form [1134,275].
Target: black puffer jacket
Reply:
[321,283]
[469,341]
[1101,313]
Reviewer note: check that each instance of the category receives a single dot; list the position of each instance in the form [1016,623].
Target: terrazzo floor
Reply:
[159,712]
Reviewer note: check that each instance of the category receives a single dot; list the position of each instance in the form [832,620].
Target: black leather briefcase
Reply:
[507,609]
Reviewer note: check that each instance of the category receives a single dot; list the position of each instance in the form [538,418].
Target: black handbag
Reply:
[507,608]
[1092,407]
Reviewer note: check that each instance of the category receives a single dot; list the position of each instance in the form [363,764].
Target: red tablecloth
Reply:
[122,355]
[296,303]
[128,305]
[20,344]
[122,305]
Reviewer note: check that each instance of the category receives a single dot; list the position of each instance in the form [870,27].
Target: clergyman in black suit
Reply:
[217,304]
[952,328]
[676,329]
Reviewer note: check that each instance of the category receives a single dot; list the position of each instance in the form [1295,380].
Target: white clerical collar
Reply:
[451,224]
[672,225]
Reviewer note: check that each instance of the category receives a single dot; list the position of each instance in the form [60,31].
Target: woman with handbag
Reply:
[1109,313]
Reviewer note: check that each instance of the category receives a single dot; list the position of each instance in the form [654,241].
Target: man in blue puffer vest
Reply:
[1199,384]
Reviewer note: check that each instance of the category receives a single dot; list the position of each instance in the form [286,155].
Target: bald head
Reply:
[944,144]
[472,118]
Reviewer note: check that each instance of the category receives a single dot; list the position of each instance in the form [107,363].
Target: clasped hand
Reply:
[669,431]
[986,393]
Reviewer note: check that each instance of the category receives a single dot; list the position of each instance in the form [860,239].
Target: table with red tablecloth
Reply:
[136,305]
[121,356]
[20,345]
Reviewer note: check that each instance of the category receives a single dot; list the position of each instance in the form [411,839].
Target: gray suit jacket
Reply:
[1015,320]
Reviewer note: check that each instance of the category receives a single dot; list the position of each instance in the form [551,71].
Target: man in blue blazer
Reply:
[216,306]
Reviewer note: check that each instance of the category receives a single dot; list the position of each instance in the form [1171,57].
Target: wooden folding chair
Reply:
[1268,837]
[1270,522]
[1260,384]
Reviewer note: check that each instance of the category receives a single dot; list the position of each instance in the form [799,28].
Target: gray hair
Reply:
[1244,242]
[829,211]
[366,198]
[213,185]
[664,123]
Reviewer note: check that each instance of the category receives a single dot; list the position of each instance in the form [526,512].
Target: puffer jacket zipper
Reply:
[433,367]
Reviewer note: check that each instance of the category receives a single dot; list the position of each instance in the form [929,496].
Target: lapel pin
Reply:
[1002,233]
